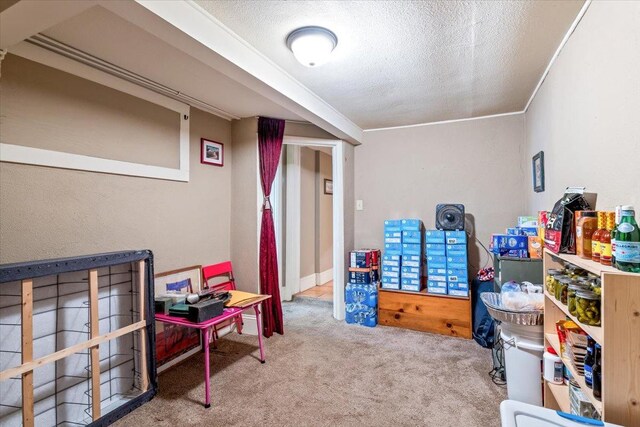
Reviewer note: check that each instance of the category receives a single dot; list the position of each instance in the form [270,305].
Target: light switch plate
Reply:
[359,205]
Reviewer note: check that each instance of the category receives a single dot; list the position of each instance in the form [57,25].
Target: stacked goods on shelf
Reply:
[402,263]
[582,327]
[412,262]
[436,251]
[392,258]
[447,272]
[457,272]
[522,241]
[361,291]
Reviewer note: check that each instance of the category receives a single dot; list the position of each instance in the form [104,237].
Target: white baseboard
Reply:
[324,276]
[307,282]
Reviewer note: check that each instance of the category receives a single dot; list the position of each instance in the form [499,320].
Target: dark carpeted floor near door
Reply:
[323,372]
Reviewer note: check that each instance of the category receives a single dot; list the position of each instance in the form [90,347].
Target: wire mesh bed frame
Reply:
[77,339]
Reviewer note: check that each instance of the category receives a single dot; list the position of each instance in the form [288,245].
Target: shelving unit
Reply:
[619,337]
[420,311]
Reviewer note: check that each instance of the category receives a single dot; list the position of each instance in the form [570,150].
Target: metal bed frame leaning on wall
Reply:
[77,339]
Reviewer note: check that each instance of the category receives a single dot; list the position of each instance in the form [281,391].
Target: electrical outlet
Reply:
[359,205]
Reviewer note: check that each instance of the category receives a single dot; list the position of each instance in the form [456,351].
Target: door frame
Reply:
[291,284]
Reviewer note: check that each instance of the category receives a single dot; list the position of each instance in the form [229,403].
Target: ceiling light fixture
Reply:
[312,45]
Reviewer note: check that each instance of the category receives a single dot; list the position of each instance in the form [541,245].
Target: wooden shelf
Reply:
[555,343]
[586,264]
[424,293]
[425,312]
[618,336]
[561,395]
[594,331]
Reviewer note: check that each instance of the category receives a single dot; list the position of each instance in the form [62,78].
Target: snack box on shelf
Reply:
[437,277]
[412,237]
[535,247]
[411,225]
[513,253]
[457,250]
[412,261]
[393,237]
[528,221]
[456,237]
[439,288]
[411,249]
[528,231]
[436,271]
[434,236]
[376,255]
[435,249]
[436,262]
[513,231]
[505,241]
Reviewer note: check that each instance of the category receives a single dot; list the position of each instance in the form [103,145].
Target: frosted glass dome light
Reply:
[312,46]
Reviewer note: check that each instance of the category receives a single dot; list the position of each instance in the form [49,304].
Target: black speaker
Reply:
[450,216]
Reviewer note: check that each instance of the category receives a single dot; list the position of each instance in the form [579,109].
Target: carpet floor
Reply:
[324,372]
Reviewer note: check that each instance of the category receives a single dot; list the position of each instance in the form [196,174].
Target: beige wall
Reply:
[49,212]
[244,204]
[308,212]
[586,115]
[324,214]
[404,173]
[316,213]
[39,103]
[244,198]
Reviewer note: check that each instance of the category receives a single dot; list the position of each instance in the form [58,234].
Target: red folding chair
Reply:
[219,277]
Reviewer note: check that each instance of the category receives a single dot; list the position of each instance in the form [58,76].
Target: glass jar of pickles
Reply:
[588,307]
[572,293]
[562,287]
[550,281]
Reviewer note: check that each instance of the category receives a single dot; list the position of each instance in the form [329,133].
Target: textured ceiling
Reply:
[409,62]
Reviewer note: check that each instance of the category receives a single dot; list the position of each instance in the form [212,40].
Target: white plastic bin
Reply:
[518,414]
[523,350]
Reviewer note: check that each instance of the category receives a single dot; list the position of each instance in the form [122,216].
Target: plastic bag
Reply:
[522,301]
[510,286]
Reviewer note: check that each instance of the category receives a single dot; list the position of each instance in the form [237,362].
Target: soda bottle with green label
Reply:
[628,241]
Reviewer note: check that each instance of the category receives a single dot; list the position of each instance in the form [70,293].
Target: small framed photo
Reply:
[328,186]
[538,172]
[211,152]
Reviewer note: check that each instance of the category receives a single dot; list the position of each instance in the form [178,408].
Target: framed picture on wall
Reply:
[328,186]
[211,152]
[538,172]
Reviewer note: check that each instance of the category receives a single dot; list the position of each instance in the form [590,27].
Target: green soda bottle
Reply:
[628,241]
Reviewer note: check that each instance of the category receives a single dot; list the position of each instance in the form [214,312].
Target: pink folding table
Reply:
[205,329]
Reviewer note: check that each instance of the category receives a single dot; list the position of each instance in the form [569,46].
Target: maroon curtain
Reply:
[270,133]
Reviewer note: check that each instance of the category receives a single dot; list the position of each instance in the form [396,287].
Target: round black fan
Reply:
[450,216]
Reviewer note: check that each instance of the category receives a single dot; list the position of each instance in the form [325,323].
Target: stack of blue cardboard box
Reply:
[403,259]
[447,271]
[361,292]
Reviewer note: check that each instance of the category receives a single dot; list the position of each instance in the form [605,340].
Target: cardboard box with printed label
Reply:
[434,236]
[435,249]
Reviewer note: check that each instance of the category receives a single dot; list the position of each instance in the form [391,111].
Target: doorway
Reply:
[309,217]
